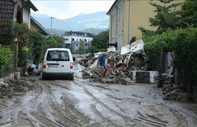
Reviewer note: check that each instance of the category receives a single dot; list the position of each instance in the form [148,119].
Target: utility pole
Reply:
[51,24]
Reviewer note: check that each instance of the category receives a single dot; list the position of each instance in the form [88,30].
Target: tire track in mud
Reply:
[145,119]
[69,114]
[94,109]
[72,114]
[129,122]
[181,120]
[138,120]
[40,115]
[61,118]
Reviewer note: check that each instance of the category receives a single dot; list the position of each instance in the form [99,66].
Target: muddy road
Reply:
[81,103]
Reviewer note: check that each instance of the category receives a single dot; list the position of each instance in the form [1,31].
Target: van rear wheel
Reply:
[44,77]
[71,78]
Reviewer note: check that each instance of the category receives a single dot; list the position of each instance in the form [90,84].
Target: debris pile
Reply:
[175,93]
[10,88]
[131,57]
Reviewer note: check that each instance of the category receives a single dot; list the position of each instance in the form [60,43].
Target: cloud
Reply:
[63,9]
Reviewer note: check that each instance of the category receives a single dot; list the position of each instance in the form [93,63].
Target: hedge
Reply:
[5,60]
[183,42]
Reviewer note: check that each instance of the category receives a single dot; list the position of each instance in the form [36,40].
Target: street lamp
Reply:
[51,24]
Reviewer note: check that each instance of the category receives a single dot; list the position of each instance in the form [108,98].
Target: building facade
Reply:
[126,16]
[72,39]
[17,11]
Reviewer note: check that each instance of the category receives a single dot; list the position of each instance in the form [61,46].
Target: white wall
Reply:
[117,23]
[26,16]
[89,39]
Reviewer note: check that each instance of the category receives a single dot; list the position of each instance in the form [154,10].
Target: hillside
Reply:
[81,22]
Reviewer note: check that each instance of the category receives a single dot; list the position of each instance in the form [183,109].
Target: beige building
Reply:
[125,18]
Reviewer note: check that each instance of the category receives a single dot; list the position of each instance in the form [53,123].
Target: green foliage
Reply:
[5,59]
[71,48]
[189,13]
[35,47]
[166,16]
[22,33]
[55,41]
[152,49]
[100,41]
[82,48]
[59,40]
[185,54]
[178,40]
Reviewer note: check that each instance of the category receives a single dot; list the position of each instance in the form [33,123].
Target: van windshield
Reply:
[58,56]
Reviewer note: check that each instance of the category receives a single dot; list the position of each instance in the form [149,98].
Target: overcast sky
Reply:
[63,9]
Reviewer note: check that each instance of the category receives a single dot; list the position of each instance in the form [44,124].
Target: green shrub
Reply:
[36,47]
[186,53]
[152,49]
[183,42]
[167,41]
[5,59]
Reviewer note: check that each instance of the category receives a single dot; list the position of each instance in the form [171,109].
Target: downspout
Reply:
[129,21]
[15,11]
[111,28]
[14,20]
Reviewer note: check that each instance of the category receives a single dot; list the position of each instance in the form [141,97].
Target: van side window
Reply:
[58,56]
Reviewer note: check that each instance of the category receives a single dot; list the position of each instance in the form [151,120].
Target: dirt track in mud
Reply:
[67,103]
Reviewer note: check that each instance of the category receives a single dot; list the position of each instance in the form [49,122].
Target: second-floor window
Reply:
[73,39]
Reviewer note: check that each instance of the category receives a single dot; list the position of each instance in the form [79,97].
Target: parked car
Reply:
[58,62]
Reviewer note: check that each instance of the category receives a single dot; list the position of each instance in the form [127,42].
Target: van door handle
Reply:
[62,65]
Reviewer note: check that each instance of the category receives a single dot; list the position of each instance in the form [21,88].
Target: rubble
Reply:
[12,87]
[175,93]
[131,57]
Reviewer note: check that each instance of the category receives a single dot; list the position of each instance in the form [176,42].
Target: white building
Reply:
[74,38]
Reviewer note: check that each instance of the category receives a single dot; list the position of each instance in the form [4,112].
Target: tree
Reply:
[167,16]
[189,13]
[71,48]
[82,47]
[36,47]
[54,41]
[59,40]
[100,42]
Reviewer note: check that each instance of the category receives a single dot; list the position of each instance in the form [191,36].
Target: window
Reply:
[73,39]
[85,40]
[76,45]
[57,56]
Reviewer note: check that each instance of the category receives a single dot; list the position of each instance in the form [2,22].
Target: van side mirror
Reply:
[74,58]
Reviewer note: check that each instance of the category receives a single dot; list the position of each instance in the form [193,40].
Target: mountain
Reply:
[97,20]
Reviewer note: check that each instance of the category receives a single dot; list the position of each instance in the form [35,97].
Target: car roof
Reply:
[62,49]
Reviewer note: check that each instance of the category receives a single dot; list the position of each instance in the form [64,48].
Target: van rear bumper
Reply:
[55,74]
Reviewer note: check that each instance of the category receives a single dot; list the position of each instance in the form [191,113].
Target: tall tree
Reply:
[82,47]
[100,41]
[189,13]
[167,16]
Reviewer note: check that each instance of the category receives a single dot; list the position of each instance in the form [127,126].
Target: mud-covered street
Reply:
[79,102]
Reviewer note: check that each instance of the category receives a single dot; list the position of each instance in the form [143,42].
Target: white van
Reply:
[58,62]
